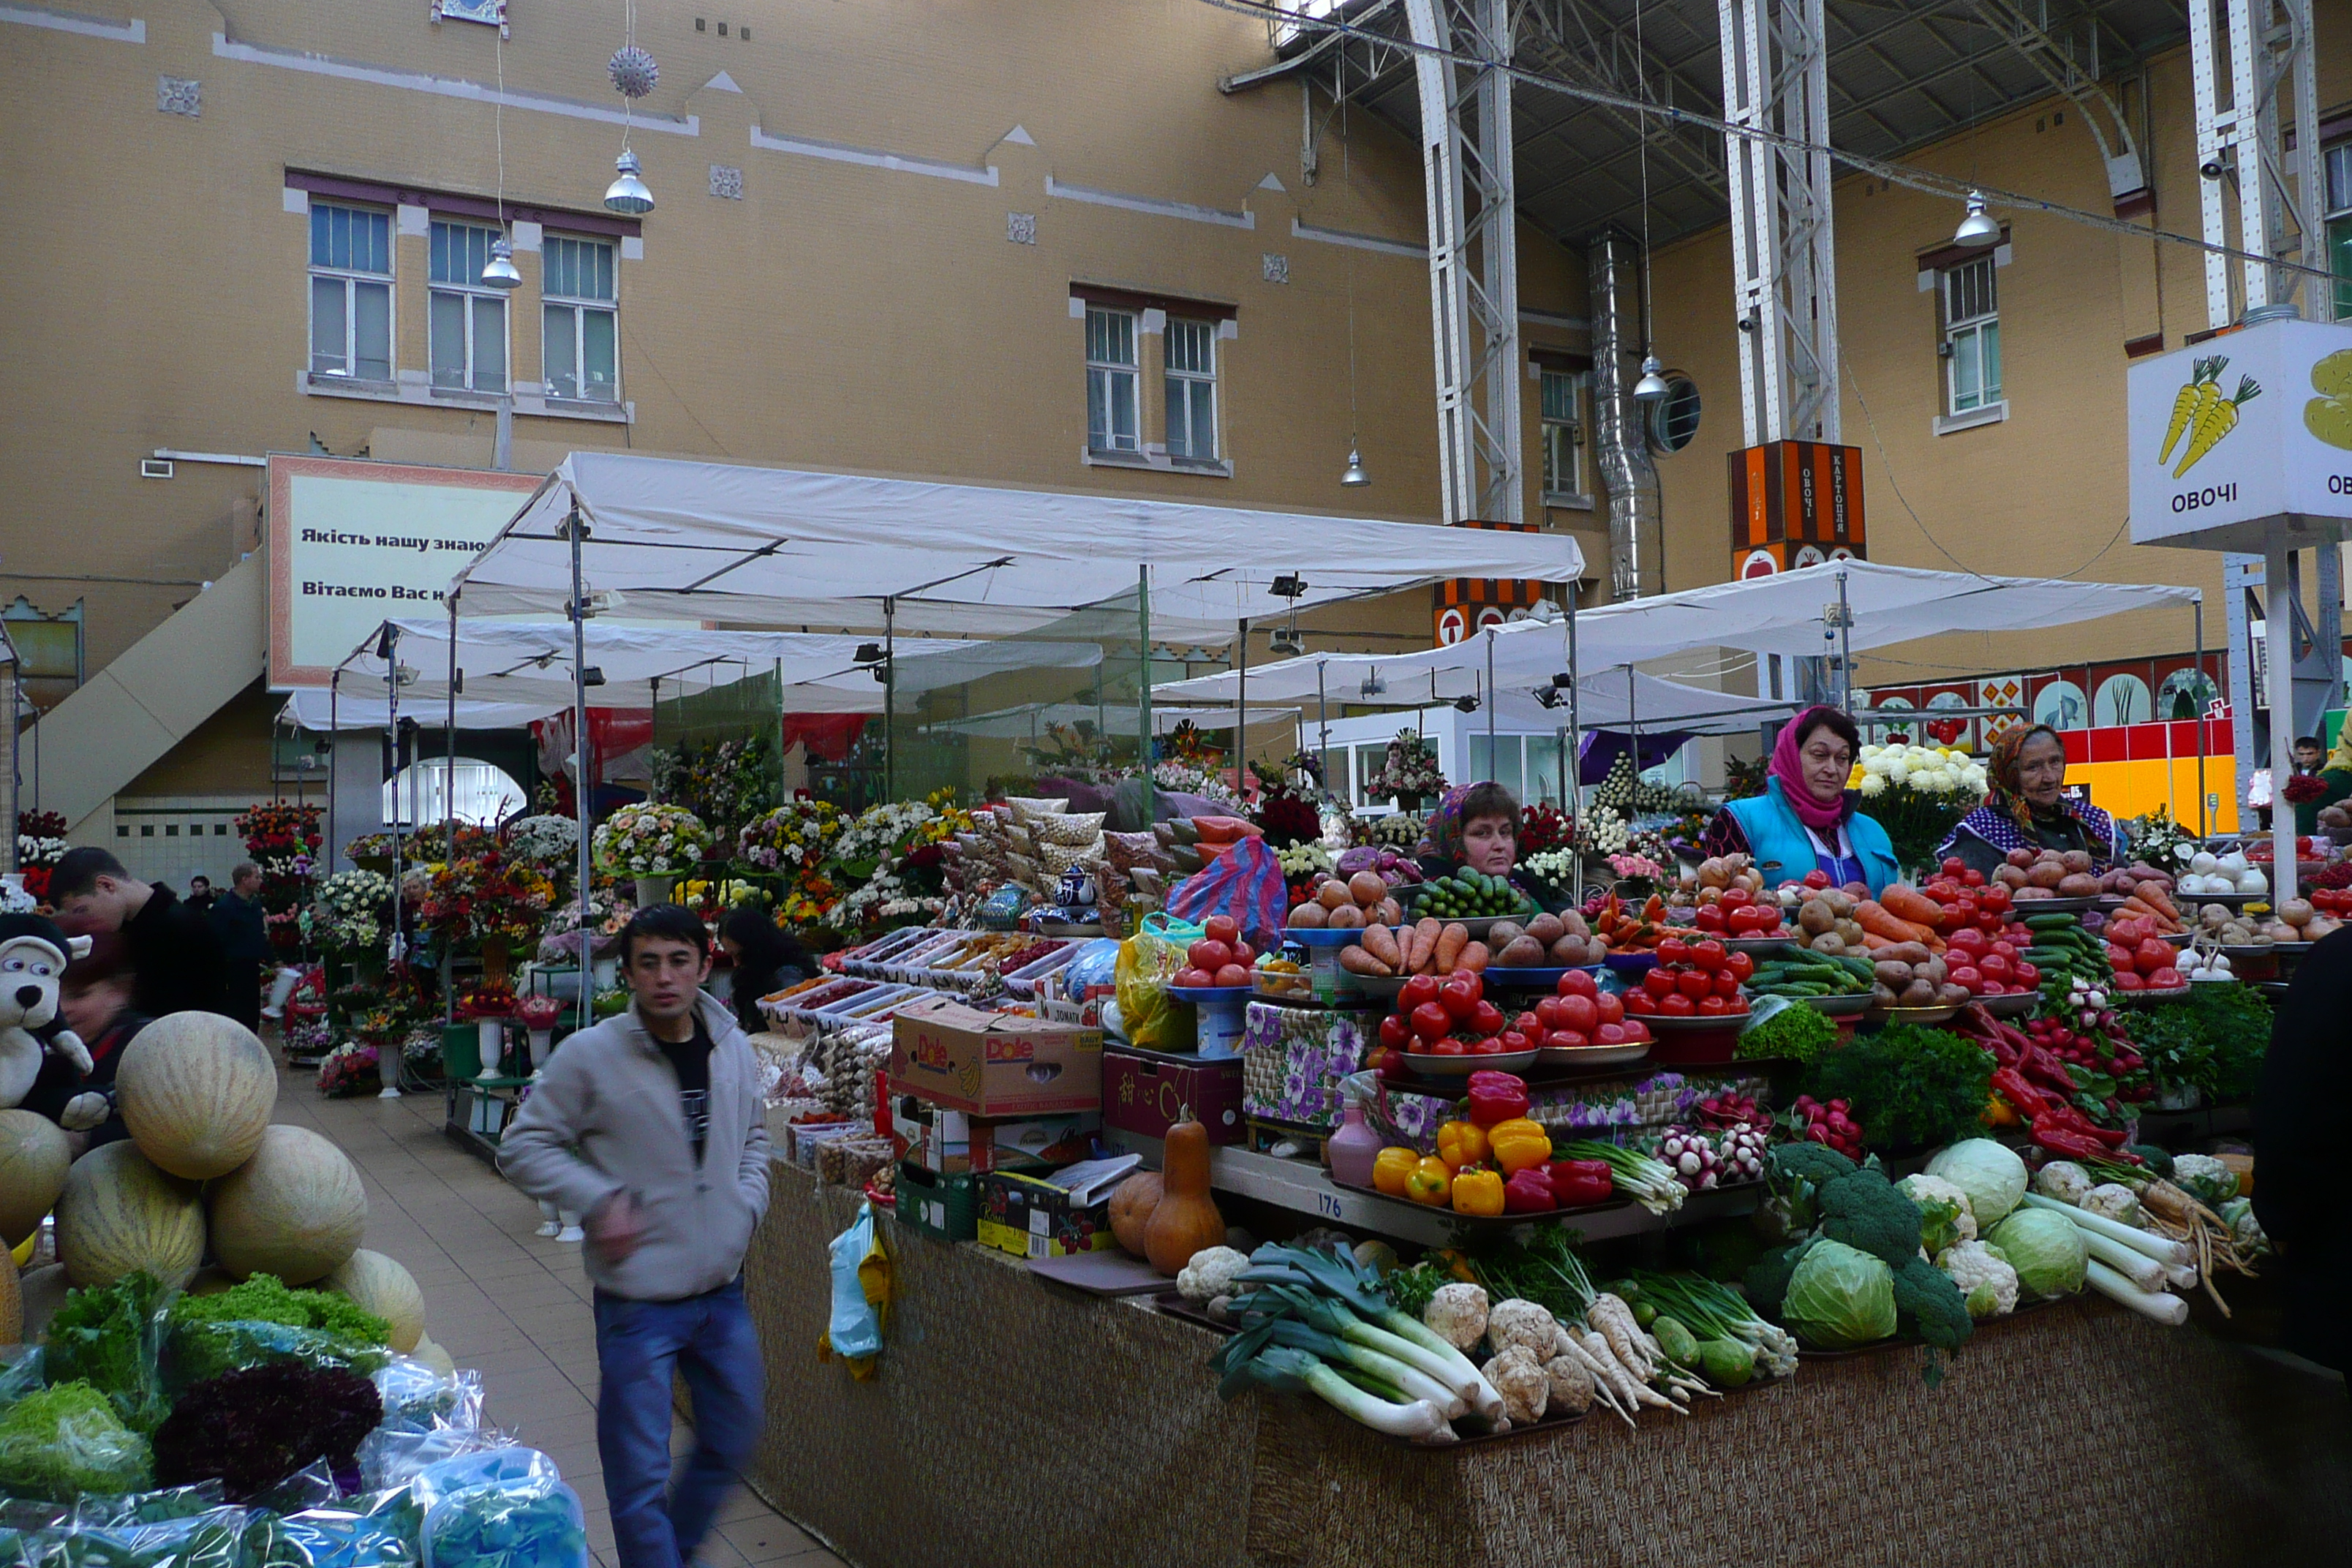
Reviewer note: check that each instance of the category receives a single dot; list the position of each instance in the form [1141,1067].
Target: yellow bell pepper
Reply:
[1461,1144]
[1431,1183]
[1518,1143]
[1478,1192]
[1998,1113]
[1393,1168]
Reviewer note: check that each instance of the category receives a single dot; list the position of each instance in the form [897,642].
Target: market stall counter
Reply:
[1015,1422]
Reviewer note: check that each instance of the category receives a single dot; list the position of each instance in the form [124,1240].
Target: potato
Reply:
[1367,889]
[1546,929]
[1879,997]
[1815,918]
[2075,860]
[1840,901]
[1911,952]
[1308,914]
[2023,859]
[1829,944]
[1891,973]
[2048,874]
[1502,933]
[1956,995]
[2295,911]
[1575,922]
[1918,993]
[1334,895]
[1573,950]
[1851,931]
[1347,917]
[2008,876]
[2078,885]
[1521,952]
[1932,970]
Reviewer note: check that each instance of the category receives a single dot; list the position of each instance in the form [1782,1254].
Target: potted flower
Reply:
[651,844]
[539,1015]
[490,1005]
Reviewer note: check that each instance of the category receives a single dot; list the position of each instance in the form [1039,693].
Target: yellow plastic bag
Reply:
[861,1296]
[1148,961]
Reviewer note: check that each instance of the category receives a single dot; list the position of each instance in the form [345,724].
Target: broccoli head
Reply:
[1808,1162]
[1768,1279]
[1929,1304]
[1869,1212]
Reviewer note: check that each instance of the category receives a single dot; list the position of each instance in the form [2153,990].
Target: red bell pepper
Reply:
[1530,1190]
[2027,1099]
[1496,1097]
[1579,1184]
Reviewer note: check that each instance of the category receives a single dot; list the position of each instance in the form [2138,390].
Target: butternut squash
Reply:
[1131,1208]
[1185,1220]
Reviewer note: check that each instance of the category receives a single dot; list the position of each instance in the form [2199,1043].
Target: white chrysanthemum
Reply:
[1872,787]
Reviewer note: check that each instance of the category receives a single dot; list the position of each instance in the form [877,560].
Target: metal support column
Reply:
[1776,80]
[1474,275]
[2257,69]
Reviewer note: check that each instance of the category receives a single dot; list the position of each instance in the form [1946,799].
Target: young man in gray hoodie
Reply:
[651,1127]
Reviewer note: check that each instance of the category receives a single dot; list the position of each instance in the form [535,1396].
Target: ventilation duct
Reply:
[1627,475]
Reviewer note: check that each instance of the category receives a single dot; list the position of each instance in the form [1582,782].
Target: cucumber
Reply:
[2053,922]
[1678,1343]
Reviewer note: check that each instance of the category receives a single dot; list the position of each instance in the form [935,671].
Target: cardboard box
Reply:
[995,1064]
[1058,1215]
[950,1142]
[1145,1092]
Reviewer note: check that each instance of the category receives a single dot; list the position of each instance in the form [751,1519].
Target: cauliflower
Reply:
[2113,1200]
[1946,1217]
[2063,1180]
[1212,1272]
[1457,1314]
[1523,1383]
[2204,1178]
[1983,1276]
[1523,1325]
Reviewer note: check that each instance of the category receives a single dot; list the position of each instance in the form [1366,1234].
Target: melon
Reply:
[118,1214]
[196,1090]
[44,1291]
[33,1158]
[295,1209]
[382,1286]
[12,1304]
[433,1356]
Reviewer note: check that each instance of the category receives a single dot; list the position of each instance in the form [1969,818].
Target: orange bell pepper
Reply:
[1998,1113]
[1461,1144]
[1431,1183]
[1393,1168]
[1517,1144]
[1478,1192]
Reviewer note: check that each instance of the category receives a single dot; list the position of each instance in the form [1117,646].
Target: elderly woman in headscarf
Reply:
[1475,825]
[1806,820]
[2027,807]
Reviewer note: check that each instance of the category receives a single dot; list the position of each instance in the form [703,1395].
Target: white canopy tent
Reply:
[1604,699]
[317,710]
[1029,719]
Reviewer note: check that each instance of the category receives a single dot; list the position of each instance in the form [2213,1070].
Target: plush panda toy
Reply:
[32,957]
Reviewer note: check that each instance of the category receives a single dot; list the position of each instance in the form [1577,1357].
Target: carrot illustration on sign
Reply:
[2204,372]
[2215,418]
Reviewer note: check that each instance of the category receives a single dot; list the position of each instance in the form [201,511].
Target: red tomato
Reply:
[1233,974]
[1431,1022]
[1953,866]
[1611,1035]
[1419,989]
[1674,950]
[1678,1007]
[1527,1024]
[1993,966]
[1245,954]
[1210,954]
[2128,980]
[1709,954]
[1552,1013]
[1725,983]
[2153,955]
[1638,1002]
[1740,966]
[1636,1031]
[1709,917]
[2004,948]
[1459,999]
[1737,898]
[1514,1041]
[1221,927]
[1567,1038]
[1995,898]
[1770,917]
[1447,1046]
[2119,958]
[1743,921]
[1395,1033]
[1694,983]
[1580,1013]
[1735,1006]
[1659,981]
[1968,939]
[1486,1018]
[2027,974]
[1487,1047]
[1610,1009]
[1968,977]
[1972,877]
[1817,878]
[1579,983]
[1191,978]
[2166,979]
[1711,1007]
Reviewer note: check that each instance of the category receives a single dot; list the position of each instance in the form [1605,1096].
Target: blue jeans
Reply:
[640,1347]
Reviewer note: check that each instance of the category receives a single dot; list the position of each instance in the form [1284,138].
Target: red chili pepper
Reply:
[2038,1064]
[1496,1097]
[2029,1100]
[2066,1140]
[2065,1115]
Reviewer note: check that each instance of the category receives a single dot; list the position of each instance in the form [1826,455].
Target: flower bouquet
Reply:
[539,1015]
[1409,773]
[1542,826]
[2160,841]
[488,999]
[1918,794]
[352,912]
[548,842]
[349,1070]
[310,1040]
[41,841]
[791,837]
[649,843]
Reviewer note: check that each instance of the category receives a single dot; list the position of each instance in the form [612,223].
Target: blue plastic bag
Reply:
[861,1295]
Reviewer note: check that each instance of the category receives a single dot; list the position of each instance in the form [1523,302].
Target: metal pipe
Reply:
[1143,692]
[449,798]
[391,1081]
[2278,595]
[1241,713]
[334,757]
[1572,766]
[575,531]
[1491,704]
[2197,616]
[1845,646]
[890,697]
[1627,472]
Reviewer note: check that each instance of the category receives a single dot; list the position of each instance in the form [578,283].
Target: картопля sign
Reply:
[352,543]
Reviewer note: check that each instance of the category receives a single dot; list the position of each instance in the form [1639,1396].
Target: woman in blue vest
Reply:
[1805,820]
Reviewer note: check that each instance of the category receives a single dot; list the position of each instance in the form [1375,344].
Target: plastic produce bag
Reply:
[1148,961]
[506,1508]
[379,1529]
[58,1443]
[419,1397]
[1245,883]
[861,1295]
[1096,966]
[390,1459]
[195,1351]
[20,1373]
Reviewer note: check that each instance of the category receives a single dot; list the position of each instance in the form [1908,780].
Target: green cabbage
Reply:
[1840,1296]
[1992,1176]
[2046,1250]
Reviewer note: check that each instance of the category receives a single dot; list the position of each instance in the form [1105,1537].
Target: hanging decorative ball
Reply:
[633,71]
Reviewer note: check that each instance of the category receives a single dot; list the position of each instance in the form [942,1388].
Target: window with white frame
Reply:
[579,330]
[351,292]
[2339,225]
[468,323]
[1563,394]
[1191,389]
[1971,346]
[1111,381]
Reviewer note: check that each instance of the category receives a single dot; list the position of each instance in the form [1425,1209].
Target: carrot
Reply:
[1358,961]
[1382,944]
[1424,944]
[1873,916]
[1876,942]
[2186,403]
[2157,897]
[1907,903]
[1475,957]
[2216,417]
[1450,943]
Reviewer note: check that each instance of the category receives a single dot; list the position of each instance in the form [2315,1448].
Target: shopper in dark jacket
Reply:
[170,948]
[2298,1125]
[94,999]
[245,943]
[765,960]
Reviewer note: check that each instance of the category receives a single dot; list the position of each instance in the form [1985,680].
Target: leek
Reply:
[2157,1305]
[1287,1371]
[1409,1382]
[2144,1272]
[2162,1249]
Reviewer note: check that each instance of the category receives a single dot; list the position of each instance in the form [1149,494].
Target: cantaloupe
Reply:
[44,1291]
[118,1214]
[295,1209]
[33,1157]
[433,1356]
[382,1286]
[196,1090]
[12,1304]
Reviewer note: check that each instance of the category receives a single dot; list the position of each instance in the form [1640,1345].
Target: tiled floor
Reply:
[505,1301]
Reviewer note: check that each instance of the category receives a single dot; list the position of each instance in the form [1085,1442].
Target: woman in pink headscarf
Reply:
[1805,820]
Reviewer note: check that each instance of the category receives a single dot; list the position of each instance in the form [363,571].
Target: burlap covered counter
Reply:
[1017,1424]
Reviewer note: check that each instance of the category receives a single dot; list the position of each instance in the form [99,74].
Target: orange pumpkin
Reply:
[1185,1221]
[1131,1209]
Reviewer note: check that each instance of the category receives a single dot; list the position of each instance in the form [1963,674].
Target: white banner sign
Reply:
[2242,429]
[354,543]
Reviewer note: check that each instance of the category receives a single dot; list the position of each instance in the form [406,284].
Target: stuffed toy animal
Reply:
[32,957]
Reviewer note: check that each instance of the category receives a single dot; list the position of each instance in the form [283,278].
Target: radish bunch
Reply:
[1830,1124]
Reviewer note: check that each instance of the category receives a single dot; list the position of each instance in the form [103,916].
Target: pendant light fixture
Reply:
[634,75]
[500,273]
[1979,226]
[1353,476]
[1653,385]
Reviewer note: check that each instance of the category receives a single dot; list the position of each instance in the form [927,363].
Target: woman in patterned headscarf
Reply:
[1476,826]
[2028,807]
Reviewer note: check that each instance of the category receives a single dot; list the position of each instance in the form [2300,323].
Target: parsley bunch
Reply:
[1910,1088]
